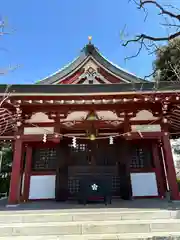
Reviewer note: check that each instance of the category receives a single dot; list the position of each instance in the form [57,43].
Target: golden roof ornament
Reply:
[90,39]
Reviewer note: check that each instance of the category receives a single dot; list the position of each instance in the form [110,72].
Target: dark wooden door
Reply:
[124,170]
[93,158]
[61,185]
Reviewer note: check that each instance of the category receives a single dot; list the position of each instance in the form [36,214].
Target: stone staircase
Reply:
[94,224]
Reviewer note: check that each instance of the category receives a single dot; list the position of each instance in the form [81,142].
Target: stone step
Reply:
[61,216]
[90,227]
[145,236]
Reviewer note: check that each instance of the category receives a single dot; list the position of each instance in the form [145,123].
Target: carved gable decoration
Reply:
[91,76]
[108,117]
[92,116]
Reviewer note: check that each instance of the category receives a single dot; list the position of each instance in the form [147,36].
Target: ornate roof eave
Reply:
[90,51]
[166,88]
[62,73]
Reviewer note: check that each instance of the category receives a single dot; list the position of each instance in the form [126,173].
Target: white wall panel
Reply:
[146,128]
[144,184]
[38,130]
[144,115]
[39,117]
[42,187]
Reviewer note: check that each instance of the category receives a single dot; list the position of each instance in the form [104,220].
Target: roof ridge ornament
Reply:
[90,39]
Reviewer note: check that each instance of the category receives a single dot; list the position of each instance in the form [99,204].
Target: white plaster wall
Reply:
[42,187]
[39,117]
[38,130]
[175,145]
[146,128]
[144,115]
[108,115]
[77,116]
[144,184]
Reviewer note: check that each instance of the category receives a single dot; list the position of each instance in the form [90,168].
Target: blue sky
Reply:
[45,35]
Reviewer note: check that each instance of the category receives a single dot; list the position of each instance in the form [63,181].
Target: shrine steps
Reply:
[148,236]
[88,224]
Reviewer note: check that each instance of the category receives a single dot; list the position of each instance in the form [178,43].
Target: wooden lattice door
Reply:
[93,158]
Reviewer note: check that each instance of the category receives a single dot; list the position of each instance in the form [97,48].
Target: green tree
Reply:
[5,168]
[175,144]
[167,63]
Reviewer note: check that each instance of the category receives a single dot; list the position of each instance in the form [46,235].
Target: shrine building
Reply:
[92,118]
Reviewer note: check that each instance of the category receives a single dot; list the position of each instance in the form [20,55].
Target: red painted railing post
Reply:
[15,183]
[27,173]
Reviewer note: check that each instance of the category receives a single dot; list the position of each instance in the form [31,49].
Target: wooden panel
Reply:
[61,185]
[76,173]
[44,159]
[124,169]
[141,155]
[93,158]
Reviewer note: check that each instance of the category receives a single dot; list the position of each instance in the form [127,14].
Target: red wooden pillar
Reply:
[170,169]
[27,173]
[14,193]
[158,169]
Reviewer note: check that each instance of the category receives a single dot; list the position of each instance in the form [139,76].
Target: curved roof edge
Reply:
[87,51]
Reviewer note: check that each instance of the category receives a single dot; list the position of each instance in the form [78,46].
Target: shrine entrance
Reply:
[97,159]
[125,165]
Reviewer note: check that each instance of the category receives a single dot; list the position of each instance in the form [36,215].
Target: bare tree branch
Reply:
[172,20]
[163,11]
[170,25]
[140,48]
[2,27]
[173,7]
[7,70]
[151,38]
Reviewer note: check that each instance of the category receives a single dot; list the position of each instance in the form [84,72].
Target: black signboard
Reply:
[94,189]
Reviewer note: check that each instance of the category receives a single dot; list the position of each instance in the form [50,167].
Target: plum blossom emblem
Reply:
[94,187]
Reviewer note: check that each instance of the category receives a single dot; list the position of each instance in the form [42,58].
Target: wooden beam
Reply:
[7,137]
[144,135]
[38,138]
[167,96]
[83,124]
